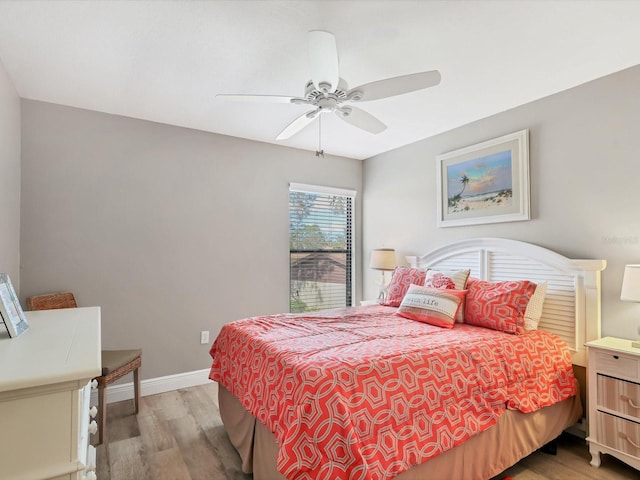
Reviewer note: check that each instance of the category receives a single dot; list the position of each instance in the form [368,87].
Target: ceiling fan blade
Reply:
[323,59]
[361,119]
[396,86]
[297,125]
[256,98]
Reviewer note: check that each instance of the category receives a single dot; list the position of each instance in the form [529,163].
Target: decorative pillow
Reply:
[402,278]
[498,305]
[459,278]
[435,306]
[534,310]
[438,280]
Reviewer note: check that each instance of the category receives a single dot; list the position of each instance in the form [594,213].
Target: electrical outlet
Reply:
[204,337]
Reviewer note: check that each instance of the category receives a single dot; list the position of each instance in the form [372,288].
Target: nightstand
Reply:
[613,400]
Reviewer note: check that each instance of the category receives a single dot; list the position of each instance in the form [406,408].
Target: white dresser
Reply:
[44,396]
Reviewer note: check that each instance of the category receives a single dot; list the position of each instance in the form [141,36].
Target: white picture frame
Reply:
[10,309]
[484,183]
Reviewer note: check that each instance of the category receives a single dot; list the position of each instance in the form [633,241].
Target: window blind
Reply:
[320,247]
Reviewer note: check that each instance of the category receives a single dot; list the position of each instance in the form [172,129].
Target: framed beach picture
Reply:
[484,183]
[10,310]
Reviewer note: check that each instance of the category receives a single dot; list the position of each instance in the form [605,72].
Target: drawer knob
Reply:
[624,436]
[616,357]
[93,411]
[631,403]
[93,427]
[94,384]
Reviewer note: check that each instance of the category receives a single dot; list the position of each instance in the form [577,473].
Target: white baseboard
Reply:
[151,386]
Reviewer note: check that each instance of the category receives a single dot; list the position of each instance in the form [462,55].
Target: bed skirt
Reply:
[489,453]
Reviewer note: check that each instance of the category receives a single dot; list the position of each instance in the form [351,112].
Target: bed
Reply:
[365,394]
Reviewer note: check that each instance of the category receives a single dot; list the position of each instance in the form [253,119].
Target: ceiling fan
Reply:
[327,92]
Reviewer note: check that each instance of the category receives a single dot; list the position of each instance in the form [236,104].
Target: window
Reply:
[320,247]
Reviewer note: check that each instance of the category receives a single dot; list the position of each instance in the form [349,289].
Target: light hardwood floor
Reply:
[179,436]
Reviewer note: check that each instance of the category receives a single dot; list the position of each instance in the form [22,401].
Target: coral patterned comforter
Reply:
[362,393]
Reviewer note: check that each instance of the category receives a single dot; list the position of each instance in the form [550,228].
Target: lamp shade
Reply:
[383,259]
[631,284]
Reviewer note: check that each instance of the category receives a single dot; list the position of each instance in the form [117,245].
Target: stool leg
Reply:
[102,407]
[136,389]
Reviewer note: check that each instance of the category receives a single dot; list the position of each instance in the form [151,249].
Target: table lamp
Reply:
[631,288]
[383,259]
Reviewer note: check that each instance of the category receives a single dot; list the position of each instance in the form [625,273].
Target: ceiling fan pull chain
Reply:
[320,152]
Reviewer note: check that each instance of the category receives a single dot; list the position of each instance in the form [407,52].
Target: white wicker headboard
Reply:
[572,304]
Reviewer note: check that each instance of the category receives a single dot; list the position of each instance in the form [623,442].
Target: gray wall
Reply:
[585,173]
[172,231]
[9,179]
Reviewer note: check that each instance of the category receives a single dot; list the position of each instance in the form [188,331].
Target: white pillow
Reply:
[459,278]
[534,309]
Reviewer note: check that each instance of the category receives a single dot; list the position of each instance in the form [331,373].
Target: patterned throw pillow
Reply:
[435,306]
[438,280]
[498,305]
[402,278]
[459,278]
[534,309]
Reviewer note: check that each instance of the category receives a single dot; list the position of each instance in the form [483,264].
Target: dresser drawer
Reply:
[618,433]
[617,365]
[619,396]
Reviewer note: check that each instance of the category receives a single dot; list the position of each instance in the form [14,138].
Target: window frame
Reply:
[327,190]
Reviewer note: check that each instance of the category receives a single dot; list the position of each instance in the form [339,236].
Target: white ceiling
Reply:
[166,61]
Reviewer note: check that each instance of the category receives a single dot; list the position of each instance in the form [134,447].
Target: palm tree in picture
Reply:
[453,201]
[464,180]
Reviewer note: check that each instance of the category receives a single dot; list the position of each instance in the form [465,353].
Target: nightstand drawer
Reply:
[619,396]
[615,432]
[617,365]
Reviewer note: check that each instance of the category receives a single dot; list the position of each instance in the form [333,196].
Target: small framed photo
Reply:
[10,310]
[484,183]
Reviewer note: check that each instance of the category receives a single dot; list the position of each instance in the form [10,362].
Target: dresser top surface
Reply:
[59,346]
